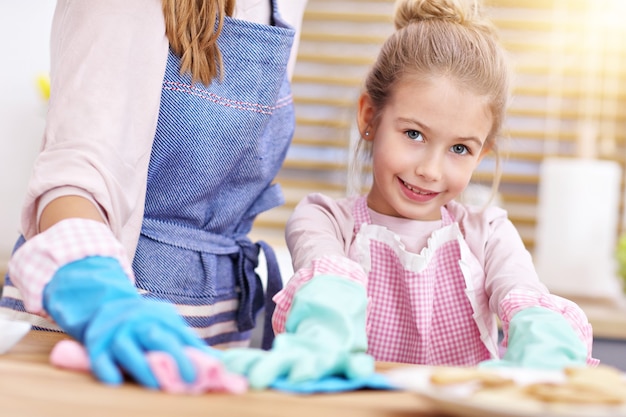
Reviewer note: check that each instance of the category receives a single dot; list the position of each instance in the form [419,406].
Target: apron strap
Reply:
[360,213]
[446,217]
[274,285]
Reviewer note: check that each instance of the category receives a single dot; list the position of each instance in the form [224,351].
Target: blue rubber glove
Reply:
[542,339]
[325,336]
[93,301]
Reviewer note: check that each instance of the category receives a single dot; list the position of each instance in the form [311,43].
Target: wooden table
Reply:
[31,387]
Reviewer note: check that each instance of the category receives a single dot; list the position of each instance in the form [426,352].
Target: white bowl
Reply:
[11,332]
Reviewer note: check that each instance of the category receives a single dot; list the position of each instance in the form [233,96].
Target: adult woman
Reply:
[167,124]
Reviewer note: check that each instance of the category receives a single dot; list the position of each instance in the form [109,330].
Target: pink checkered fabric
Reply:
[421,317]
[518,300]
[331,265]
[34,264]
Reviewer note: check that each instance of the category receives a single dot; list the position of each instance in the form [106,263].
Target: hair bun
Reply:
[457,11]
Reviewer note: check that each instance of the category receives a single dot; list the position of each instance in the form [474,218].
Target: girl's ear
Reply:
[365,116]
[484,151]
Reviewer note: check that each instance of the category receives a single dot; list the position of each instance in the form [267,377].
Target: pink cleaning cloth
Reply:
[212,376]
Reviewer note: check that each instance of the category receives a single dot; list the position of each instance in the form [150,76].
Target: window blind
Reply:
[568,98]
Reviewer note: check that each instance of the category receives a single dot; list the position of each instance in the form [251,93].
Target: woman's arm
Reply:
[107,64]
[68,207]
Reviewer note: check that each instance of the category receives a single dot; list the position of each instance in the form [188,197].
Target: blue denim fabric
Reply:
[216,152]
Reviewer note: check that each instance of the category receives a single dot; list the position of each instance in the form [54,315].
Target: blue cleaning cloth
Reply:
[332,384]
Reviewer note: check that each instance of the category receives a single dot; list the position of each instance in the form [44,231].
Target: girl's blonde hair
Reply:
[192,28]
[442,37]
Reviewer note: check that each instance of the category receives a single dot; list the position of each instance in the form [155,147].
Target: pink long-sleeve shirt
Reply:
[323,227]
[320,235]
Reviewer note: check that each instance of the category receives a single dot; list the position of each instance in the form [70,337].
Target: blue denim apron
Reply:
[216,152]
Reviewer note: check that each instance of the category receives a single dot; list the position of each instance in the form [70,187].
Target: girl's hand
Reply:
[543,339]
[325,336]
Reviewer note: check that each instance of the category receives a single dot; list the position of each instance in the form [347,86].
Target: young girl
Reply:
[167,123]
[405,273]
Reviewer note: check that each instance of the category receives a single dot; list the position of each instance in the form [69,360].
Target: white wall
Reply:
[24,54]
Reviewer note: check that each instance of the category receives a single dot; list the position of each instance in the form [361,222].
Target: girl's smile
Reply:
[416,193]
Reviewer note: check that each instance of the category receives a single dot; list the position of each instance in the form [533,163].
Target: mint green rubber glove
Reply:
[542,339]
[325,336]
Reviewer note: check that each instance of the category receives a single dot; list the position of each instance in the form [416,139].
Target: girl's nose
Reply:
[430,166]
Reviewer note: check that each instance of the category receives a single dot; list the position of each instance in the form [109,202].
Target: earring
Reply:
[367,133]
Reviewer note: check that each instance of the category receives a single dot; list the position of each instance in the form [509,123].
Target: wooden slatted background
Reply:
[569,60]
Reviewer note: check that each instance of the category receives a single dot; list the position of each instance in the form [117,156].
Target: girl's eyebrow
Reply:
[424,127]
[474,139]
[407,120]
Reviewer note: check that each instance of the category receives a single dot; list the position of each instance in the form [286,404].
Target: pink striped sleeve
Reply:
[34,264]
[327,265]
[519,300]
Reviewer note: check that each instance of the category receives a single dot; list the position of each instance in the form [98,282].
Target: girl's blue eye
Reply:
[459,149]
[414,135]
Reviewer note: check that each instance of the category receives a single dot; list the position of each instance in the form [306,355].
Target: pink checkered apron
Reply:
[419,311]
